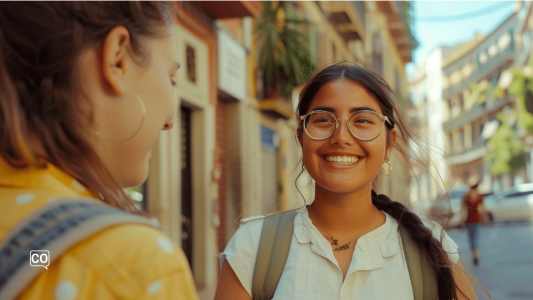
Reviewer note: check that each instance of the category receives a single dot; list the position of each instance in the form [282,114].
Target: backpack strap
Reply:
[422,273]
[56,227]
[274,245]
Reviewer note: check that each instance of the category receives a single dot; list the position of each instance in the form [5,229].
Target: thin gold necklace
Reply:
[334,241]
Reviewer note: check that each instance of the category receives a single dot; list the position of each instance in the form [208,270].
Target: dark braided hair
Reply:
[375,85]
[424,237]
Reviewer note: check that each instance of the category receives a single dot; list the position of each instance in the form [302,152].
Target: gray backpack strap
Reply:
[274,245]
[55,227]
[422,273]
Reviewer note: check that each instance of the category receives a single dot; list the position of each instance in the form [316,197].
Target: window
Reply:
[483,58]
[493,50]
[504,41]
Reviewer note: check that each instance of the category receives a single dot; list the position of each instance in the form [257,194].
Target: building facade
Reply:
[233,152]
[471,81]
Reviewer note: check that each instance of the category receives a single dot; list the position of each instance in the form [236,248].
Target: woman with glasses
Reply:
[346,244]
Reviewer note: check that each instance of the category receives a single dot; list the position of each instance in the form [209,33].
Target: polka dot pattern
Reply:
[77,186]
[24,198]
[65,290]
[154,287]
[165,244]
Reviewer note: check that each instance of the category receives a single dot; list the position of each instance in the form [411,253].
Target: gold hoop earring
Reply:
[143,111]
[390,166]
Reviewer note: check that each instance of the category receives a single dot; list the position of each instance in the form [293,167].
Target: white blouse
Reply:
[377,271]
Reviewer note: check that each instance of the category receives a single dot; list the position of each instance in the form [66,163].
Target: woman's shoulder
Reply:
[131,260]
[446,241]
[247,235]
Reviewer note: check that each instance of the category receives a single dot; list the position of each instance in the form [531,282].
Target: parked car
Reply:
[512,204]
[449,214]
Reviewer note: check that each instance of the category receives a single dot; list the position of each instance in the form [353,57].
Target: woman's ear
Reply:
[392,141]
[115,58]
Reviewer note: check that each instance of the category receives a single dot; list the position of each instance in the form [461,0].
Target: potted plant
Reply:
[284,58]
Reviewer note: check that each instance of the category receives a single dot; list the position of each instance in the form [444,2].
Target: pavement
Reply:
[505,266]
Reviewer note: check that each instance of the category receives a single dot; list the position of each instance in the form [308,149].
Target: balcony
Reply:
[231,9]
[477,151]
[278,107]
[393,11]
[348,19]
[476,112]
[501,60]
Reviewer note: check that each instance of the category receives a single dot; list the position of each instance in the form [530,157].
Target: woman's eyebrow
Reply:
[356,109]
[352,110]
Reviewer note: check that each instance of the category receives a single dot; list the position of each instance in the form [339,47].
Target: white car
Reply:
[512,204]
[449,214]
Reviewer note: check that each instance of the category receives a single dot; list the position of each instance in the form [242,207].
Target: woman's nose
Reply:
[342,133]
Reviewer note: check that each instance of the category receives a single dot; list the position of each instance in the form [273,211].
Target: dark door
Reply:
[186,184]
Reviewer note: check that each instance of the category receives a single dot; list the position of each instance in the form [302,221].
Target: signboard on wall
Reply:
[232,78]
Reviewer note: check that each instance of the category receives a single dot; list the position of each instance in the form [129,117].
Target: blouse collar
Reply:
[370,250]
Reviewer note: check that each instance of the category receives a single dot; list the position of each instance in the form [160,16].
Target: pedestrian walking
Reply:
[475,212]
[85,90]
[350,243]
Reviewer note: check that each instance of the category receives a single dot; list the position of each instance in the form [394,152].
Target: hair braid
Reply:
[423,237]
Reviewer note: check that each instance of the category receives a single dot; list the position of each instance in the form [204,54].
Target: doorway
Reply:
[186,184]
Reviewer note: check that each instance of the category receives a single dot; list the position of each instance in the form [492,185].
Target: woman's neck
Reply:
[344,212]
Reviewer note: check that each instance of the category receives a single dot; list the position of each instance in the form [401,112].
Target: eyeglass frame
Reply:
[383,119]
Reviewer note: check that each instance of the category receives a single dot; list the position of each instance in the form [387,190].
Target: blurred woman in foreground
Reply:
[85,90]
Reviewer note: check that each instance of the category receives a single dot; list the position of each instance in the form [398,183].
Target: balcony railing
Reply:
[476,112]
[483,70]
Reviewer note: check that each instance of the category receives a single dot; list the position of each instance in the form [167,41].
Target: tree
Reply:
[507,151]
[522,87]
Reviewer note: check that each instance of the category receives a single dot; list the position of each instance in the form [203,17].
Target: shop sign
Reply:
[231,66]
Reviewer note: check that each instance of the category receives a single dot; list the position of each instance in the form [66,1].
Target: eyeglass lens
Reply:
[364,125]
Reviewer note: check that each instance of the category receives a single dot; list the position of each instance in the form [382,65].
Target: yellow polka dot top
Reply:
[130,261]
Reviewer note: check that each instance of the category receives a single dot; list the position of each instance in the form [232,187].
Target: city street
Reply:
[506,262]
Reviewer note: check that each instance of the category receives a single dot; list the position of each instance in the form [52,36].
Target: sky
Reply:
[481,18]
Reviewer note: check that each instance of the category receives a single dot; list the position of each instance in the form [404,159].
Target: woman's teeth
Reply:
[345,160]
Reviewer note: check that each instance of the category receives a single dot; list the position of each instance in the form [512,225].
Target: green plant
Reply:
[285,55]
[486,90]
[522,87]
[507,151]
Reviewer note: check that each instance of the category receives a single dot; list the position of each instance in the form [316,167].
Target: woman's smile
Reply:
[342,161]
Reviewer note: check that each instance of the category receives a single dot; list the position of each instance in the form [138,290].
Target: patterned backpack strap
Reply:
[274,245]
[55,227]
[423,275]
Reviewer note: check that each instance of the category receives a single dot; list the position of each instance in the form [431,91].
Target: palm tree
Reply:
[285,55]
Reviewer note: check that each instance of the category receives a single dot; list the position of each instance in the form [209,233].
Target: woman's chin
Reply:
[136,179]
[341,188]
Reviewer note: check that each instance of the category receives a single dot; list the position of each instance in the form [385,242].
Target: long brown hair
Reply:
[382,92]
[40,43]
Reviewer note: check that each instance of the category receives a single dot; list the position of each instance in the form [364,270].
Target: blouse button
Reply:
[155,287]
[66,290]
[24,198]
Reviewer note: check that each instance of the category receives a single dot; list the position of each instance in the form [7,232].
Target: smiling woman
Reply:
[346,244]
[85,90]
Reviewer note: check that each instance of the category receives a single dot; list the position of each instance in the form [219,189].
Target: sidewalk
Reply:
[506,262]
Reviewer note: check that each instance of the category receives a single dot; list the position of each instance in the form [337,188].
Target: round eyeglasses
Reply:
[365,125]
